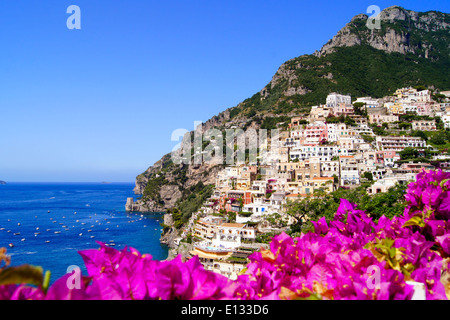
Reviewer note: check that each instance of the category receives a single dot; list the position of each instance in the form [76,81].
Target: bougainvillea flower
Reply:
[444,241]
[20,292]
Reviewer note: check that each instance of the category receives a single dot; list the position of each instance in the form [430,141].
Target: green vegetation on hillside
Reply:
[191,201]
[358,71]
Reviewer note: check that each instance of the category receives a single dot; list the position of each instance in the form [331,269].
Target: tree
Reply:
[360,108]
[349,121]
[405,125]
[420,134]
[389,204]
[368,175]
[438,138]
[409,153]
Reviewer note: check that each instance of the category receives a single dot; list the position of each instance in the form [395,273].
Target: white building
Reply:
[334,99]
[329,168]
[446,120]
[398,143]
[349,176]
[332,132]
[410,108]
[370,102]
[323,153]
[230,235]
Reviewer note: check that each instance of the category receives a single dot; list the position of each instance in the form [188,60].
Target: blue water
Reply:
[48,223]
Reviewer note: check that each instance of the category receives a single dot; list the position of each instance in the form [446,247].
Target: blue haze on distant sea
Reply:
[48,223]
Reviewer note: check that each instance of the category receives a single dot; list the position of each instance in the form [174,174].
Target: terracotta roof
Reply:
[296,195]
[232,225]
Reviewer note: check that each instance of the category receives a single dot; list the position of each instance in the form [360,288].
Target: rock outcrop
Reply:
[397,26]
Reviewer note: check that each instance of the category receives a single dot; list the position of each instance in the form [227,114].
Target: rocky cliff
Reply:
[399,30]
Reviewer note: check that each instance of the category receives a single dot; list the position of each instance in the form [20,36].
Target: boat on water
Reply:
[11,245]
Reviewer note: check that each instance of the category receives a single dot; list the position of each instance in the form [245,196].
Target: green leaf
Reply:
[442,184]
[314,296]
[415,221]
[46,282]
[24,274]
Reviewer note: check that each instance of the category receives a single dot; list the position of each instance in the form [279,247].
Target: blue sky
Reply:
[101,103]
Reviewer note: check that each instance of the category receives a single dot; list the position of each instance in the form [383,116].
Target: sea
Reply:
[47,224]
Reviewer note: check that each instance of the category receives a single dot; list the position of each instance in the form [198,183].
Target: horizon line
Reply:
[99,182]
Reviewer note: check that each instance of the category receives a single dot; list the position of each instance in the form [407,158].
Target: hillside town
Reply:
[341,144]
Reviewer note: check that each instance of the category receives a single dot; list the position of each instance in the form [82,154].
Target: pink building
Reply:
[424,109]
[343,109]
[379,157]
[315,134]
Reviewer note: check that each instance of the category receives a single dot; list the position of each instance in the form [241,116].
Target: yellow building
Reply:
[397,108]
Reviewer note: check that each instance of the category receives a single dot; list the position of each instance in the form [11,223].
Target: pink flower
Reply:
[444,241]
